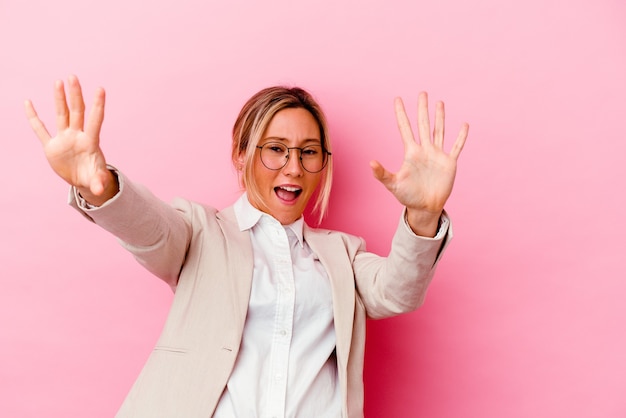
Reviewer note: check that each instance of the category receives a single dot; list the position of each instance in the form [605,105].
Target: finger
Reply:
[38,127]
[423,120]
[404,125]
[96,115]
[460,142]
[76,104]
[61,106]
[439,131]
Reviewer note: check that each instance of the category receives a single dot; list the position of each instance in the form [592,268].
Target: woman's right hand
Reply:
[74,153]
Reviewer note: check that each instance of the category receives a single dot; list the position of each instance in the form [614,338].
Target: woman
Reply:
[268,317]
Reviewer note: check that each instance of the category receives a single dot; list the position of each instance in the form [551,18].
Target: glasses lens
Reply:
[274,155]
[313,158]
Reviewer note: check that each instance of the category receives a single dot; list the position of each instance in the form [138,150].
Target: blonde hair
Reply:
[253,120]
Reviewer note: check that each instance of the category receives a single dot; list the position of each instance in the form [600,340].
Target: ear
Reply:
[240,162]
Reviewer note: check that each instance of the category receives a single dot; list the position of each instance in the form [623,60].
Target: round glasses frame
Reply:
[286,153]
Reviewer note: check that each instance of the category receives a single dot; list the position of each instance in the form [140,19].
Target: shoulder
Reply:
[205,217]
[189,208]
[329,237]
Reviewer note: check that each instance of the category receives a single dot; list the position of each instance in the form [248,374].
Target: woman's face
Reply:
[287,191]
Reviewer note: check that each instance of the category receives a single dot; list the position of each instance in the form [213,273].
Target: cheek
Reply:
[314,184]
[262,176]
[257,170]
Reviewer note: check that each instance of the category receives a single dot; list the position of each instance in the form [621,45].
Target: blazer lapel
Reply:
[332,253]
[241,269]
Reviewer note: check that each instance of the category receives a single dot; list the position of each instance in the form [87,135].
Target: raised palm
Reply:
[74,152]
[425,179]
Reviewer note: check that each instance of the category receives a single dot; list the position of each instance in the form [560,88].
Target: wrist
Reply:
[110,186]
[422,222]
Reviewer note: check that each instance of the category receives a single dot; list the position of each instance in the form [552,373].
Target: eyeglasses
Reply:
[274,155]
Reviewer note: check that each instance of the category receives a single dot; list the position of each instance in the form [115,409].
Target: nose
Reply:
[293,166]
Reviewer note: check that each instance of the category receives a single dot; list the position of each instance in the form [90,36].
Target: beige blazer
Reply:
[201,253]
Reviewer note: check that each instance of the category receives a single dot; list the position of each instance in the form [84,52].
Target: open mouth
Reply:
[287,193]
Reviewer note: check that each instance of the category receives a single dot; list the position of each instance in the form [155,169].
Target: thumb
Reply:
[380,173]
[96,186]
[99,181]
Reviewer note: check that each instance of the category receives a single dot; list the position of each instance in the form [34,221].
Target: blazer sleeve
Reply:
[398,283]
[157,234]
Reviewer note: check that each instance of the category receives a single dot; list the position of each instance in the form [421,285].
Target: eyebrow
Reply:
[279,139]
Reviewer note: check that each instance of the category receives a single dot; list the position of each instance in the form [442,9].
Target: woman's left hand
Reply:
[425,179]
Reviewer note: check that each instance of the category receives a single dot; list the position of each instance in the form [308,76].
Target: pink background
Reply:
[526,316]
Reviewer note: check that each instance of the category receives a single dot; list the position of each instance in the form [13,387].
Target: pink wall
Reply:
[526,315]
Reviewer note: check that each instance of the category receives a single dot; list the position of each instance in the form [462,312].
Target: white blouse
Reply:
[286,365]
